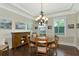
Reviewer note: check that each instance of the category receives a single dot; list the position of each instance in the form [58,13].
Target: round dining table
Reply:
[50,40]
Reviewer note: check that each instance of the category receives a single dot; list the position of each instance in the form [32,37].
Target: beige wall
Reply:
[6,33]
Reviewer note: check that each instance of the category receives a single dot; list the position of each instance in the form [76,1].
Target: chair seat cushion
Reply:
[41,49]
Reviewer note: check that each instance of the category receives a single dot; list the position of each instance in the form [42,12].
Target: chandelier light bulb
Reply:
[46,19]
[43,18]
[40,16]
[37,18]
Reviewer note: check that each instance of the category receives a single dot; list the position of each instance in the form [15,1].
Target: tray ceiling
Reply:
[33,9]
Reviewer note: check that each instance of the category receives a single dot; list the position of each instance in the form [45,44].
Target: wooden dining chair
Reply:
[42,46]
[33,37]
[5,50]
[31,44]
[54,45]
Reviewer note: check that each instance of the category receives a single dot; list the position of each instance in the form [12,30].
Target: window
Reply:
[59,26]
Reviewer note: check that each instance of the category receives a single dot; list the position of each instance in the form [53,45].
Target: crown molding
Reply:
[62,13]
[14,11]
[26,11]
[67,9]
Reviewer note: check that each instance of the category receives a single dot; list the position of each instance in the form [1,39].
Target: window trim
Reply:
[60,17]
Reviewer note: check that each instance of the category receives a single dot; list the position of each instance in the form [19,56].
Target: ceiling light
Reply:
[41,18]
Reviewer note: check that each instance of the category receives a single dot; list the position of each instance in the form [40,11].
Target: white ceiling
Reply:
[33,9]
[48,8]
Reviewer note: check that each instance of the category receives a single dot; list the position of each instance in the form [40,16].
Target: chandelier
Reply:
[41,19]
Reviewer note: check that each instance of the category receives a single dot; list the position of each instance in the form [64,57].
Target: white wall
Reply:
[77,31]
[69,38]
[71,33]
[50,23]
[6,33]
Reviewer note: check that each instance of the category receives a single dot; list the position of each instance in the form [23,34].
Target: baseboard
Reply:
[77,47]
[68,44]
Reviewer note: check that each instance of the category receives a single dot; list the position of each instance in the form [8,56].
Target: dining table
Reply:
[50,40]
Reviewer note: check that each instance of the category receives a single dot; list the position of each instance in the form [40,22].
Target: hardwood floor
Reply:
[63,50]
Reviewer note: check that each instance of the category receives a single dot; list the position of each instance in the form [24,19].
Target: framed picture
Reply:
[77,25]
[20,26]
[5,24]
[70,26]
[36,27]
[49,27]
